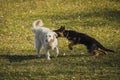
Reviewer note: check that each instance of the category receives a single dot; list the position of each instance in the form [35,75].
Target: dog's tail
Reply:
[36,24]
[102,47]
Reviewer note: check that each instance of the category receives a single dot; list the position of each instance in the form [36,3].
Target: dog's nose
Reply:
[46,40]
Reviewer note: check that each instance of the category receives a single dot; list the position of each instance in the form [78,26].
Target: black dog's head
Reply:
[60,31]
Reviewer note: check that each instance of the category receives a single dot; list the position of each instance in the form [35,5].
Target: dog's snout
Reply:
[52,40]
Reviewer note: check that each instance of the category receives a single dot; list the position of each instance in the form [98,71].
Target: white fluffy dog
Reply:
[45,37]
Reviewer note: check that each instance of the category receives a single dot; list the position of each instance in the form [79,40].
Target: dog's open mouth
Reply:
[49,45]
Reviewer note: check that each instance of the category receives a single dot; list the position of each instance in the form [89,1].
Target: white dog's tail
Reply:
[36,24]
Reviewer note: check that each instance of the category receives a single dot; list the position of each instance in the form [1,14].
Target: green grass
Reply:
[98,18]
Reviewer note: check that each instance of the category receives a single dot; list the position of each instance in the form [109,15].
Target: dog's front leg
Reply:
[57,51]
[70,45]
[47,54]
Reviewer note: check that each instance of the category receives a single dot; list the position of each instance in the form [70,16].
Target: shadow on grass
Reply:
[18,58]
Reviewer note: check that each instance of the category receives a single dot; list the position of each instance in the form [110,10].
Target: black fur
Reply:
[81,38]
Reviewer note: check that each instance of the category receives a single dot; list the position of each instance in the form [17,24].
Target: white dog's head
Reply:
[51,40]
[50,37]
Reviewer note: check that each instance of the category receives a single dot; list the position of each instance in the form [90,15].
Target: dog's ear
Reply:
[62,28]
[55,35]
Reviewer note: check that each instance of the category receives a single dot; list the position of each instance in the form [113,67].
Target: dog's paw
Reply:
[95,54]
[48,59]
[64,54]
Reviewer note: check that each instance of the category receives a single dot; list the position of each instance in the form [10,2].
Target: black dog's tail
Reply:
[102,47]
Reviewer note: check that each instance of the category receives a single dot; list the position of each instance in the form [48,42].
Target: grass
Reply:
[98,18]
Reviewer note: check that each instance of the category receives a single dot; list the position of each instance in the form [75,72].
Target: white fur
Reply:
[44,37]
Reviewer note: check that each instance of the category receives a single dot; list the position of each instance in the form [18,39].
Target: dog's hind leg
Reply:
[102,51]
[92,50]
[38,47]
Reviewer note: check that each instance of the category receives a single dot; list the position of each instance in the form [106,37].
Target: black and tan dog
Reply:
[81,38]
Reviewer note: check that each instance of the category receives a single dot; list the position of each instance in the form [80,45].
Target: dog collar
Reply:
[67,34]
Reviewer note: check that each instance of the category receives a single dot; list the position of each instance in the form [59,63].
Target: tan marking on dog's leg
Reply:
[103,51]
[95,54]
[70,45]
